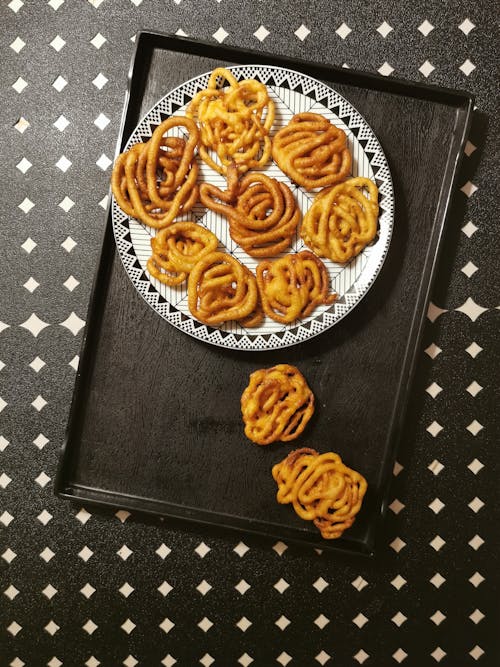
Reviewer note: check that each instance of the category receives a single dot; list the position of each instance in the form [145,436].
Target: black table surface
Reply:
[81,586]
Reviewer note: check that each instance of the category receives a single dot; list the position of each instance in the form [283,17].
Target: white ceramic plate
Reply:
[292,93]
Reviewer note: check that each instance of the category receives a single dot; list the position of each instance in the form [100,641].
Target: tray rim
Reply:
[463,101]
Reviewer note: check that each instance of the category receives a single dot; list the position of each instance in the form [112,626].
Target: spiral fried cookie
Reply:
[221,289]
[342,220]
[156,181]
[276,405]
[177,248]
[292,286]
[234,122]
[321,489]
[262,213]
[312,151]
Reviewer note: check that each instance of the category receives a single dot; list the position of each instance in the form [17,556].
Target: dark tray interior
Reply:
[156,424]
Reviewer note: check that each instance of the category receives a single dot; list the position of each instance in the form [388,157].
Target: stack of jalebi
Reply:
[234,122]
[276,405]
[321,489]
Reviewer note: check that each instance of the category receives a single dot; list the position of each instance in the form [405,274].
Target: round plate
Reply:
[292,93]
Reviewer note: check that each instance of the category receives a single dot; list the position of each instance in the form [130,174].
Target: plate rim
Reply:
[214,335]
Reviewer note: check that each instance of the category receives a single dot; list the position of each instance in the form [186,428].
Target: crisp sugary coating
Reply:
[221,289]
[291,287]
[234,122]
[342,220]
[321,489]
[176,249]
[156,181]
[312,151]
[262,212]
[276,405]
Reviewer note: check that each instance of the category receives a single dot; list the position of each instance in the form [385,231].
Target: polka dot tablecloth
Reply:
[81,587]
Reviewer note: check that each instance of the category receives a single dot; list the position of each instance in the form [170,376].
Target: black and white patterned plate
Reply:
[292,93]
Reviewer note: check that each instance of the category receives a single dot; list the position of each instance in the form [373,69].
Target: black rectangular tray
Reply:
[155,423]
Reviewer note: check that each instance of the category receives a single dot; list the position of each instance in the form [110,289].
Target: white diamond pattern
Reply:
[165,588]
[467,67]
[433,351]
[320,584]
[476,652]
[26,205]
[398,582]
[436,505]
[426,27]
[466,26]
[22,125]
[163,551]
[100,81]
[66,204]
[220,35]
[476,579]
[17,45]
[60,83]
[475,466]
[438,654]
[426,69]
[166,625]
[474,349]
[302,32]
[241,549]
[384,29]
[435,467]
[19,85]
[398,619]
[469,229]
[261,33]
[323,657]
[202,550]
[281,585]
[437,543]
[385,69]
[57,43]
[469,269]
[243,624]
[434,429]
[282,623]
[50,220]
[474,388]
[280,548]
[399,655]
[61,123]
[98,40]
[343,31]
[29,245]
